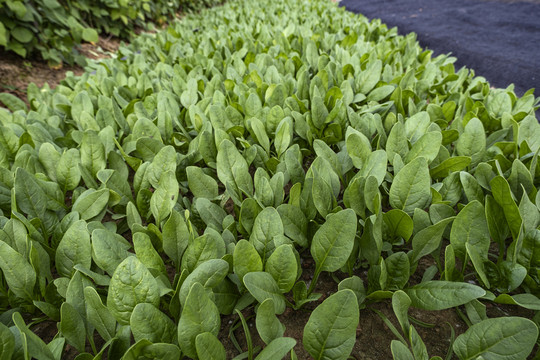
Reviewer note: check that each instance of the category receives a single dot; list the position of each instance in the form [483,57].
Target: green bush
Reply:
[56,27]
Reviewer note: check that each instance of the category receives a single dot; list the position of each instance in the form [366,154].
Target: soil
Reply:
[496,38]
[16,73]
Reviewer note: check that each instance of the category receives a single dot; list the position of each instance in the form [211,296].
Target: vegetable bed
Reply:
[258,163]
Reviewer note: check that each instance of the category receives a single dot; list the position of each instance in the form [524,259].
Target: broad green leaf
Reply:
[209,274]
[283,267]
[333,242]
[506,338]
[92,152]
[268,325]
[398,223]
[330,332]
[400,351]
[146,253]
[72,326]
[263,286]
[131,284]
[470,226]
[277,349]
[73,249]
[175,237]
[440,295]
[36,347]
[91,203]
[294,223]
[246,259]
[98,314]
[199,315]
[427,146]
[400,304]
[209,347]
[359,148]
[108,249]
[68,173]
[528,301]
[31,198]
[232,169]
[19,275]
[503,196]
[266,228]
[200,184]
[397,142]
[164,198]
[147,322]
[411,187]
[428,239]
[472,142]
[7,342]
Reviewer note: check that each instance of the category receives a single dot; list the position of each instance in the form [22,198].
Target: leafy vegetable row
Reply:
[56,27]
[198,172]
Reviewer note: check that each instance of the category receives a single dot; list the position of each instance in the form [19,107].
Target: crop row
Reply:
[194,174]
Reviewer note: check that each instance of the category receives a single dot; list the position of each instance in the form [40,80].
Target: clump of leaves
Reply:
[55,28]
[193,175]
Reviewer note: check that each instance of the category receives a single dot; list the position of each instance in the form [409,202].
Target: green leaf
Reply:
[283,267]
[506,338]
[131,284]
[400,351]
[411,187]
[268,325]
[67,170]
[7,342]
[440,295]
[209,347]
[175,237]
[72,326]
[266,228]
[108,249]
[12,102]
[503,196]
[233,170]
[428,239]
[90,35]
[427,146]
[93,156]
[200,184]
[528,301]
[18,273]
[246,259]
[98,314]
[164,198]
[36,347]
[91,203]
[147,322]
[73,249]
[333,242]
[472,142]
[263,286]
[209,274]
[22,34]
[398,223]
[31,198]
[277,349]
[199,315]
[330,332]
[294,222]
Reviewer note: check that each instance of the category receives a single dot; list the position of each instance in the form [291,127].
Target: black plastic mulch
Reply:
[500,40]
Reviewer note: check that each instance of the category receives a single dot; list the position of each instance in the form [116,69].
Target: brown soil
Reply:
[16,73]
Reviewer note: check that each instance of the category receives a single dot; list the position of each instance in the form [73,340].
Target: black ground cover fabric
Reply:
[500,40]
